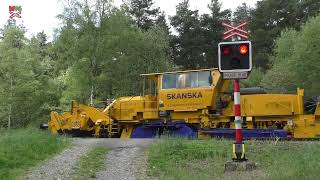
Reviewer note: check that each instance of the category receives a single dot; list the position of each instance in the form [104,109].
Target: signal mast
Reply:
[235,62]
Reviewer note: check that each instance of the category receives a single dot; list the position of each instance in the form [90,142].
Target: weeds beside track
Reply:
[90,164]
[205,159]
[22,149]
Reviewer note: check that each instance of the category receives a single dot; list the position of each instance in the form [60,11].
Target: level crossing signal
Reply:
[235,56]
[235,62]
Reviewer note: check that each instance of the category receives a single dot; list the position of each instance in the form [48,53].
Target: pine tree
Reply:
[242,14]
[198,36]
[144,13]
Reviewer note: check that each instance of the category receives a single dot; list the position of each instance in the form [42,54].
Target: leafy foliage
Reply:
[25,71]
[270,17]
[110,58]
[295,63]
[100,50]
[144,13]
[98,53]
[198,36]
[254,79]
[242,14]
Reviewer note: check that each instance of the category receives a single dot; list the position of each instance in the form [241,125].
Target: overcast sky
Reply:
[38,15]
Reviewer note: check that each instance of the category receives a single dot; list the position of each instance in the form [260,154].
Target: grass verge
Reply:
[22,149]
[90,164]
[205,159]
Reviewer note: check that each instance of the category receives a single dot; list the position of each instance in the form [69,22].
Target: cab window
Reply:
[193,79]
[186,80]
[204,79]
[169,81]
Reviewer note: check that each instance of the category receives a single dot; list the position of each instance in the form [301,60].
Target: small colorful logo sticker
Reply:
[15,11]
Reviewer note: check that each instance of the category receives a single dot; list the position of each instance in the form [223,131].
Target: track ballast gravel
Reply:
[62,166]
[125,160]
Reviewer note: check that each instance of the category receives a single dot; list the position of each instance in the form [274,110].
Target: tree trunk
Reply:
[10,105]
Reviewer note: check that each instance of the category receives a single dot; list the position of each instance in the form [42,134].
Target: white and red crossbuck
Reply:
[232,31]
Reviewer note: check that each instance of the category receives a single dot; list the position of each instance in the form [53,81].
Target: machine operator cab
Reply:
[185,90]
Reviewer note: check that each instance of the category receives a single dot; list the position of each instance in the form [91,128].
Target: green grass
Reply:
[24,148]
[205,159]
[90,164]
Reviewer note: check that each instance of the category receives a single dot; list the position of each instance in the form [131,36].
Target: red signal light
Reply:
[226,50]
[243,49]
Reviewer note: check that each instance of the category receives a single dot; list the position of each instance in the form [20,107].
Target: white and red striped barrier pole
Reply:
[238,147]
[237,111]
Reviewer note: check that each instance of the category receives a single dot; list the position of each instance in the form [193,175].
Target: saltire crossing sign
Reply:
[235,31]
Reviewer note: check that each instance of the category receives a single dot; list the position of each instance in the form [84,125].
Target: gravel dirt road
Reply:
[125,160]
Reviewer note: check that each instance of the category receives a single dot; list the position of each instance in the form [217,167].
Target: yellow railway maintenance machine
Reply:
[193,103]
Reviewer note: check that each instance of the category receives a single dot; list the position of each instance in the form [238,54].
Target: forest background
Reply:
[100,50]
